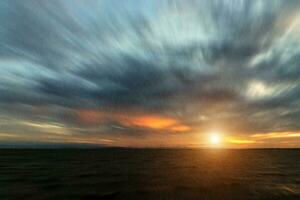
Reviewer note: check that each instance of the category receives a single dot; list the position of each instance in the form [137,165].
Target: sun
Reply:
[215,139]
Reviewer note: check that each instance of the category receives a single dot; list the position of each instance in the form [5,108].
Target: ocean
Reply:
[119,173]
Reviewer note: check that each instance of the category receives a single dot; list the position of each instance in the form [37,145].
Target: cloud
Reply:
[234,62]
[154,122]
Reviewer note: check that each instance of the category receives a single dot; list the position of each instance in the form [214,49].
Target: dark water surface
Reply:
[149,174]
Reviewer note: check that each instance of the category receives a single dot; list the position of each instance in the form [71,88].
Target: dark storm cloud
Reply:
[234,58]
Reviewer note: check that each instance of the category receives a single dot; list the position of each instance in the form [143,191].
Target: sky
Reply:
[160,73]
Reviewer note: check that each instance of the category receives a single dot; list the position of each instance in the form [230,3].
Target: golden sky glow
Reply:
[164,140]
[161,131]
[240,141]
[164,131]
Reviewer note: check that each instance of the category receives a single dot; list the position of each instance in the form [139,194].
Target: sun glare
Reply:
[215,139]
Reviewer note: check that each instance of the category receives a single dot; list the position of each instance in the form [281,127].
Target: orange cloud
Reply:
[157,122]
[278,139]
[153,122]
[276,135]
[150,121]
[240,141]
[181,128]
